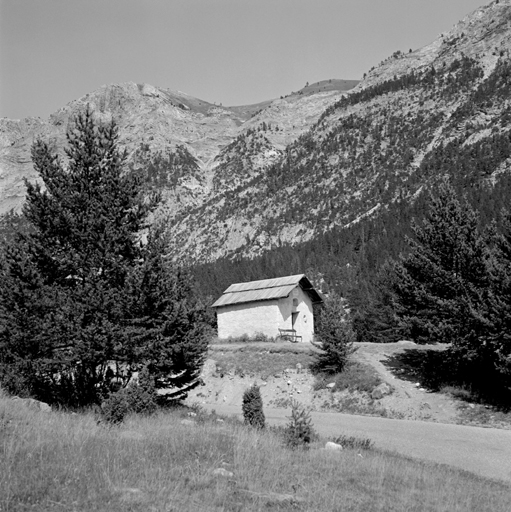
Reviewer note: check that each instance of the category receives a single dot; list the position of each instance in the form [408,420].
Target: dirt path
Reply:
[483,451]
[409,400]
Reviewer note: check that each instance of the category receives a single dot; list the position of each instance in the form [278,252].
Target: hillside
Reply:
[249,179]
[187,139]
[441,110]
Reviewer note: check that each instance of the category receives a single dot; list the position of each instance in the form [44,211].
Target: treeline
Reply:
[461,73]
[436,270]
[164,169]
[348,260]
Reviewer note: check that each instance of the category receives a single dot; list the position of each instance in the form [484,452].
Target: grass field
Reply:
[63,462]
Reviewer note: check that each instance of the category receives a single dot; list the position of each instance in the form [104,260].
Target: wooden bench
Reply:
[289,335]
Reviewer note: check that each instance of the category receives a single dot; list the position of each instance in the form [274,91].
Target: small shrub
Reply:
[137,398]
[354,377]
[142,397]
[245,338]
[261,337]
[357,377]
[299,432]
[252,407]
[459,392]
[356,443]
[115,408]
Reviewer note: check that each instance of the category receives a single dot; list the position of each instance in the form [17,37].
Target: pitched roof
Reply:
[266,289]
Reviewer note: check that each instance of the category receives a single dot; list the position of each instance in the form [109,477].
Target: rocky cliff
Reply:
[241,180]
[442,110]
[157,126]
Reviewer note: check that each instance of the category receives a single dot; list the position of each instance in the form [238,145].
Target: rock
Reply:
[298,367]
[192,414]
[289,382]
[331,385]
[220,420]
[223,473]
[472,406]
[417,384]
[187,422]
[33,404]
[331,446]
[274,498]
[406,342]
[425,405]
[380,391]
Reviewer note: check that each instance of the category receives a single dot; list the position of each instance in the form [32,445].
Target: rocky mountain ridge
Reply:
[154,122]
[244,180]
[443,110]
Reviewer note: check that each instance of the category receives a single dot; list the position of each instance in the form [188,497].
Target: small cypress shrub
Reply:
[142,397]
[252,407]
[139,398]
[299,432]
[115,408]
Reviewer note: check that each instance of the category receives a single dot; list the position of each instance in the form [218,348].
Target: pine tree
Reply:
[498,343]
[169,324]
[66,313]
[334,336]
[441,286]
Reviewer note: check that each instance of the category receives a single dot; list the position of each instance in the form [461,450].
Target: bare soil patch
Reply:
[282,372]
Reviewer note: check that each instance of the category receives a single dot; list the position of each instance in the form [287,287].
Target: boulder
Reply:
[380,391]
[223,473]
[331,446]
[273,498]
[33,405]
[331,385]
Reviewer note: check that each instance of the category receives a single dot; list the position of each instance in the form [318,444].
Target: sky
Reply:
[234,52]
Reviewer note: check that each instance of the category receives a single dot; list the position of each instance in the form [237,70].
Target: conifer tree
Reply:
[334,336]
[498,343]
[441,286]
[66,315]
[169,325]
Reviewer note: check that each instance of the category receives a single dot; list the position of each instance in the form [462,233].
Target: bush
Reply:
[137,398]
[253,407]
[335,336]
[299,432]
[245,338]
[356,443]
[115,408]
[357,377]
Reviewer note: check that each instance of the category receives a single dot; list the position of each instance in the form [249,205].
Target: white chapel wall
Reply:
[304,324]
[251,318]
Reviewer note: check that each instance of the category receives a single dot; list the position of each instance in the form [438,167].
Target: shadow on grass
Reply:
[436,370]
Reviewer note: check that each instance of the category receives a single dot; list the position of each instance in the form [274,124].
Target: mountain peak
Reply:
[484,34]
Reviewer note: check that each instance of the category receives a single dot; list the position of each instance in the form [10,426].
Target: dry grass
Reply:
[262,361]
[58,461]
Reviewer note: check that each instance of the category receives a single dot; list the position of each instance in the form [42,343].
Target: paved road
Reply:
[484,451]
